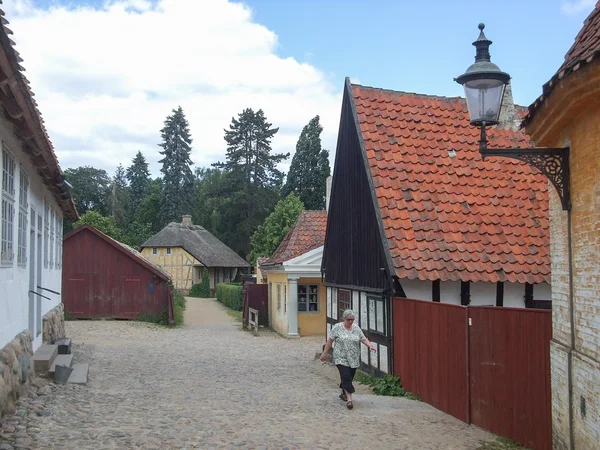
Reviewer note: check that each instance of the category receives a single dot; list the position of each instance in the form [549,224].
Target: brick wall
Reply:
[570,116]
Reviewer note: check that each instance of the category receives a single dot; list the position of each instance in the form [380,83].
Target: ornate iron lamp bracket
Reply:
[552,162]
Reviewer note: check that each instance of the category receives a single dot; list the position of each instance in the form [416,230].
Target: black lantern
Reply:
[484,85]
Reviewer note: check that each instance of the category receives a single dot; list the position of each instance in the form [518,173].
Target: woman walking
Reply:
[347,336]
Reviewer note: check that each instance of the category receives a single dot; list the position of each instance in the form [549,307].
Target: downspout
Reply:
[572,326]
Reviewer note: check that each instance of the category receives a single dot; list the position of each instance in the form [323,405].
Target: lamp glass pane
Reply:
[484,99]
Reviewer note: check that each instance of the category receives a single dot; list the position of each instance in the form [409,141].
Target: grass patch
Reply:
[389,385]
[68,315]
[237,315]
[500,443]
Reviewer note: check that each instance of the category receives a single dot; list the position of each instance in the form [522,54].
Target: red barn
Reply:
[104,278]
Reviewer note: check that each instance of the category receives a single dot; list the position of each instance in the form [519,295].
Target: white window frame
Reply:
[308,297]
[278,296]
[46,231]
[376,315]
[58,240]
[7,208]
[168,250]
[23,217]
[51,243]
[154,251]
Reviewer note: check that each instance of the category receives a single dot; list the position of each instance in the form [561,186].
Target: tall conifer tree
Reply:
[310,168]
[138,176]
[178,179]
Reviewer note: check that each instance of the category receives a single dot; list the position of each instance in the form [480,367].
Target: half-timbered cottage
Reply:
[415,212]
[183,250]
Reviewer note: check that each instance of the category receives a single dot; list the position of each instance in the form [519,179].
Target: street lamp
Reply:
[484,85]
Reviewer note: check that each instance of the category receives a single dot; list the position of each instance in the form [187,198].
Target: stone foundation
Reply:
[16,371]
[54,325]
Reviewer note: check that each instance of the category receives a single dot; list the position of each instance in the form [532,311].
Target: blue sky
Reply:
[106,76]
[419,46]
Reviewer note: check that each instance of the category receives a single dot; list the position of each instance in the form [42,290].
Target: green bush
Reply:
[230,294]
[389,385]
[201,289]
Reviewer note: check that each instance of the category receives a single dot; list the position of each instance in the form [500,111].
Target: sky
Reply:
[106,74]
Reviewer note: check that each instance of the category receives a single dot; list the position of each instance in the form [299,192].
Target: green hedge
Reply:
[201,289]
[230,294]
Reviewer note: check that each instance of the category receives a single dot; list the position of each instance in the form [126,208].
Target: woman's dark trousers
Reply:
[346,375]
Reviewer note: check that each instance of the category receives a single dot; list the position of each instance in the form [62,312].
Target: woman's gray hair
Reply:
[347,313]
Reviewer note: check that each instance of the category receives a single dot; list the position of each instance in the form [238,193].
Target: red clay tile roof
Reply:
[307,234]
[452,218]
[584,50]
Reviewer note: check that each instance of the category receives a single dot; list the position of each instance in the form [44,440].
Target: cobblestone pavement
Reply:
[211,385]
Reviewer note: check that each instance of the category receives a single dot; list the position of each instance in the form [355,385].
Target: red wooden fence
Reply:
[509,353]
[494,373]
[430,353]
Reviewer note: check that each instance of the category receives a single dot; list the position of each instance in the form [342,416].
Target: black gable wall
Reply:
[353,254]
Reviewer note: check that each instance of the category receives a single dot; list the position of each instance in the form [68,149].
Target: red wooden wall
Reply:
[488,366]
[100,279]
[430,353]
[509,353]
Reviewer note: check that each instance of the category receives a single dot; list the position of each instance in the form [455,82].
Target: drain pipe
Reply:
[572,326]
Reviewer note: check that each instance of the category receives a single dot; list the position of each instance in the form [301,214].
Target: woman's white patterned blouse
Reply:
[346,348]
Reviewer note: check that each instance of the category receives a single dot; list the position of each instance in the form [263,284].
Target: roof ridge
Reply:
[437,97]
[444,97]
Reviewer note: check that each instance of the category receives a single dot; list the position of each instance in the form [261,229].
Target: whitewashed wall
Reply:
[14,280]
[482,294]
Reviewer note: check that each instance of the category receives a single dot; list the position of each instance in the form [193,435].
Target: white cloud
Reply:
[106,78]
[577,6]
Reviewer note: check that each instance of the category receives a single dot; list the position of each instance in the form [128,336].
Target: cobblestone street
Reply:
[211,385]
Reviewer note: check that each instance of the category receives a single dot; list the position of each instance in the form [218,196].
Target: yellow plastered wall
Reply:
[311,323]
[278,316]
[179,264]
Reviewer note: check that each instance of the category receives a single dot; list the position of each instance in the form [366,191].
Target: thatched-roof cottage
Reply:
[183,250]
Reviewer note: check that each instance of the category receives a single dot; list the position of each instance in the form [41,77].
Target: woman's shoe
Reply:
[343,397]
[349,405]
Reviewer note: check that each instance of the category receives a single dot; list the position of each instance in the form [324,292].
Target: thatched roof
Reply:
[199,243]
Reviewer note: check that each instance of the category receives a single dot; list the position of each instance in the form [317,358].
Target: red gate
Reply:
[488,366]
[255,296]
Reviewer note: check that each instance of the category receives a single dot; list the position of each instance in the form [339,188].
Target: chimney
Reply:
[186,220]
[327,192]
[508,114]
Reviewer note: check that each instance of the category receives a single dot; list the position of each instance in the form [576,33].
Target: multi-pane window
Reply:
[168,250]
[154,251]
[377,315]
[7,254]
[46,231]
[308,297]
[343,302]
[278,297]
[51,242]
[23,208]
[58,241]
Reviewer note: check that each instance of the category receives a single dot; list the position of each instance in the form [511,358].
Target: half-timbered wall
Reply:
[481,294]
[373,317]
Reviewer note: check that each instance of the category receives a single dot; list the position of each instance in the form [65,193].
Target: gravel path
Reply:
[211,385]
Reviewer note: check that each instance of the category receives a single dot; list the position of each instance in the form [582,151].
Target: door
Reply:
[32,262]
[127,305]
